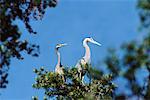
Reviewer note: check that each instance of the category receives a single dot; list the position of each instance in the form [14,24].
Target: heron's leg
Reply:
[90,79]
[63,77]
[83,80]
[80,74]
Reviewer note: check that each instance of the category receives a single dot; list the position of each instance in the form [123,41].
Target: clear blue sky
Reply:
[111,22]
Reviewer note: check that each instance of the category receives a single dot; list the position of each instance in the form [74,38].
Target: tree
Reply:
[100,87]
[144,13]
[10,44]
[135,56]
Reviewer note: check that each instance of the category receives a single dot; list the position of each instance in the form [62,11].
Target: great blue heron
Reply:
[86,60]
[59,68]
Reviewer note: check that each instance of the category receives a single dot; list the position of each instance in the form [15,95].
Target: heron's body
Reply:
[86,60]
[59,69]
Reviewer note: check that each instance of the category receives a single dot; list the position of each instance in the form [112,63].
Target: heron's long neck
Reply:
[58,58]
[87,52]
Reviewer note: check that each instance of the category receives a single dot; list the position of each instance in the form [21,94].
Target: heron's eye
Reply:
[91,39]
[58,45]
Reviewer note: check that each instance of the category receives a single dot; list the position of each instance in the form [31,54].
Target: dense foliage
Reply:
[10,43]
[135,57]
[144,13]
[100,87]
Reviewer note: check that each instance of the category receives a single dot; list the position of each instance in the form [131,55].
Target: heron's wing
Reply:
[80,64]
[59,70]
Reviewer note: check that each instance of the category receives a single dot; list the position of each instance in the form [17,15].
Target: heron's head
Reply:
[90,39]
[60,45]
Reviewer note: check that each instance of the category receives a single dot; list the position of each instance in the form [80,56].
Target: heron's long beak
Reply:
[64,44]
[96,43]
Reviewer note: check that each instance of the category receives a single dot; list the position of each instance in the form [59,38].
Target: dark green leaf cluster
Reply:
[136,56]
[54,86]
[10,43]
[144,12]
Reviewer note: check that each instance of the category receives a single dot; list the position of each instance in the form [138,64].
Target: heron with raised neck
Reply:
[59,67]
[86,59]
